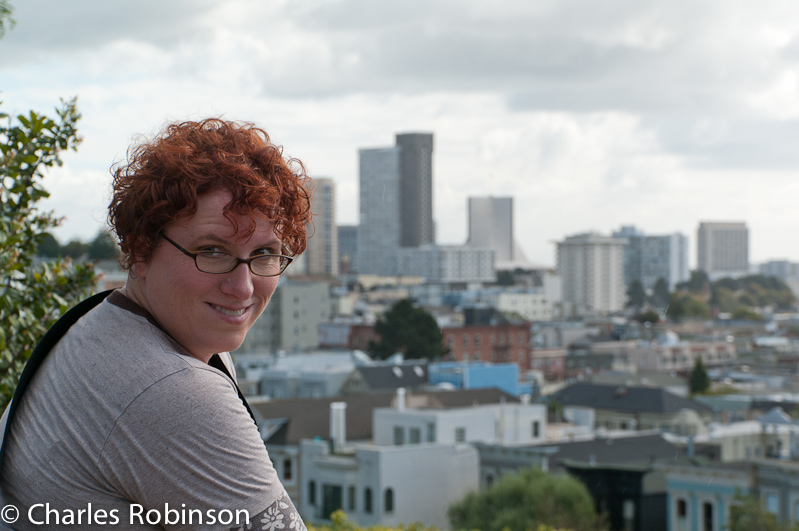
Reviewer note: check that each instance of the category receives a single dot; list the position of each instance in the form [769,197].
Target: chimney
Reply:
[338,425]
[400,399]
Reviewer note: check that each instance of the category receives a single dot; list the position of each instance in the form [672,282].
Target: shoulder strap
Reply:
[217,363]
[53,335]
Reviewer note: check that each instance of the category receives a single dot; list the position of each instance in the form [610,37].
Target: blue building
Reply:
[462,375]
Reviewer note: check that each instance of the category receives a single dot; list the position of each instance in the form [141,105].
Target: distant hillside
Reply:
[743,298]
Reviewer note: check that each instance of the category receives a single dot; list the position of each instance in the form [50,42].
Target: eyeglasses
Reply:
[218,262]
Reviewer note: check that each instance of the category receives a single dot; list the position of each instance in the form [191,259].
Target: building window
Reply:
[521,338]
[682,515]
[367,500]
[536,429]
[477,340]
[287,469]
[465,340]
[351,498]
[399,435]
[460,434]
[707,517]
[628,513]
[415,436]
[431,432]
[312,492]
[772,503]
[388,501]
[451,342]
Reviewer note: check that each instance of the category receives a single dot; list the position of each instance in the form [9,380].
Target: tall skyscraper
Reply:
[416,189]
[491,225]
[396,201]
[648,258]
[723,249]
[321,254]
[591,268]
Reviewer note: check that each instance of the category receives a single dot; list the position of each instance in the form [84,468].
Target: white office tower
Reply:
[723,249]
[648,258]
[321,253]
[491,227]
[591,267]
[396,202]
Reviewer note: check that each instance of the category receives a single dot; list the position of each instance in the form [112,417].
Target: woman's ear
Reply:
[139,269]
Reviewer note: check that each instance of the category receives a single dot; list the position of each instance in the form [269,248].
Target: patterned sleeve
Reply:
[280,515]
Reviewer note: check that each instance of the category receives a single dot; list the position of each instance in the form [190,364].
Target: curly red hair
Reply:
[164,176]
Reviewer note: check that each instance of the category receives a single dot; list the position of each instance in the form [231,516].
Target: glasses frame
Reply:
[285,260]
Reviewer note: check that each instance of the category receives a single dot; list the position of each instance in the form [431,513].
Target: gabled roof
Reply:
[634,451]
[286,422]
[385,377]
[625,398]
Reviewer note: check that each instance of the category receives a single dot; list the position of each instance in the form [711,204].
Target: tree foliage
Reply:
[528,500]
[636,295]
[32,296]
[698,381]
[340,522]
[408,329]
[748,513]
[660,293]
[685,305]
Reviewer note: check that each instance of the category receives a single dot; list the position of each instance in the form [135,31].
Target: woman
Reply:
[132,421]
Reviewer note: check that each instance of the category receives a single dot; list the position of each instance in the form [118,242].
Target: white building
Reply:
[591,268]
[446,263]
[504,424]
[387,485]
[723,249]
[491,227]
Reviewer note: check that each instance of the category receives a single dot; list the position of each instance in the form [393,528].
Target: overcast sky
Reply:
[592,115]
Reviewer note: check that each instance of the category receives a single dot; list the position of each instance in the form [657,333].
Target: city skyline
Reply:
[656,114]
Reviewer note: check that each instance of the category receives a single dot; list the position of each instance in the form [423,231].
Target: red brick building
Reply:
[503,343]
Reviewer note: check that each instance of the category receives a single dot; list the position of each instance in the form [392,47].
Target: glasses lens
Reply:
[215,262]
[268,265]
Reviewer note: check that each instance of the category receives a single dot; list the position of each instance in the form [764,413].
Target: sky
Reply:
[591,115]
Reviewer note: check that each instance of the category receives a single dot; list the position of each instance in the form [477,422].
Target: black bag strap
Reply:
[217,363]
[51,337]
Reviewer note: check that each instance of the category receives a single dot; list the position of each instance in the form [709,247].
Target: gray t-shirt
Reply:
[121,428]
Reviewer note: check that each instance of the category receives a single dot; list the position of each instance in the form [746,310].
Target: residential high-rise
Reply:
[321,253]
[723,249]
[347,247]
[396,201]
[648,258]
[591,267]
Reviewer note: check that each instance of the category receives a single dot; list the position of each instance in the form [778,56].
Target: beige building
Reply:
[723,249]
[591,267]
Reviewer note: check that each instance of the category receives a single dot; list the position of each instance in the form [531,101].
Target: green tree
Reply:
[527,500]
[698,381]
[747,513]
[649,316]
[408,329]
[636,296]
[697,283]
[48,246]
[660,293]
[75,249]
[102,247]
[32,296]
